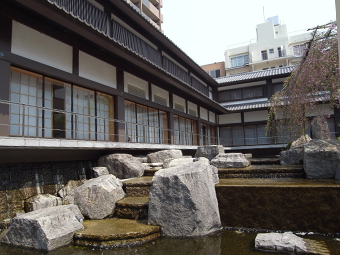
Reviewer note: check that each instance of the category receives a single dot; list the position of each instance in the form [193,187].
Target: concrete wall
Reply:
[97,70]
[31,44]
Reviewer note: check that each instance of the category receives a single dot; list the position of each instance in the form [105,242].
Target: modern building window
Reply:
[271,51]
[298,50]
[264,54]
[215,73]
[45,107]
[239,60]
[185,131]
[279,52]
[145,124]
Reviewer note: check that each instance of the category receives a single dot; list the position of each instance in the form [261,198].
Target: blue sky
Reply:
[204,29]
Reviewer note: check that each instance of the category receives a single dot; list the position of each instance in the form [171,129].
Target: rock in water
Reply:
[160,156]
[209,151]
[230,160]
[289,243]
[45,229]
[123,166]
[97,198]
[321,158]
[291,157]
[319,128]
[183,200]
[41,201]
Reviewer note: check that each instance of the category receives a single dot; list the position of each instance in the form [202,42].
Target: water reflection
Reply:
[223,243]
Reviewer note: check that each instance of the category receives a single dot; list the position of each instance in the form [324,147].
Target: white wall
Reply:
[31,44]
[160,92]
[230,118]
[212,117]
[192,106]
[96,70]
[204,113]
[180,101]
[255,116]
[135,81]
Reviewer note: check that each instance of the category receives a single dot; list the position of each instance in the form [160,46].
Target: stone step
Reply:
[262,171]
[264,161]
[137,187]
[134,208]
[114,232]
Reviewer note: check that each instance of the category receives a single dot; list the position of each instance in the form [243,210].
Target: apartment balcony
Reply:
[150,10]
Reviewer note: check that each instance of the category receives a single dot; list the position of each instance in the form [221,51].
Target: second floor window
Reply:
[264,54]
[239,60]
[298,50]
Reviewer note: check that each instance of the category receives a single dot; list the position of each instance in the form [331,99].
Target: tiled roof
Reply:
[255,74]
[241,107]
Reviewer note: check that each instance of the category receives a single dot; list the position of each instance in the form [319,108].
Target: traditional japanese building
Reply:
[81,77]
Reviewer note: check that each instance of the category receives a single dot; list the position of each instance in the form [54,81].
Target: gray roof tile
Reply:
[255,74]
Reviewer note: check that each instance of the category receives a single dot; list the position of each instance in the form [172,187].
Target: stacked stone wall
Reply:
[24,180]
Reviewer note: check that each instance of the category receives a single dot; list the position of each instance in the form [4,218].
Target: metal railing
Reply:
[80,126]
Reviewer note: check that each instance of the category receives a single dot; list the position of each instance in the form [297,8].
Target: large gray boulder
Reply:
[230,160]
[45,229]
[97,198]
[183,200]
[291,157]
[123,166]
[321,158]
[288,243]
[319,128]
[160,156]
[41,201]
[209,151]
[171,162]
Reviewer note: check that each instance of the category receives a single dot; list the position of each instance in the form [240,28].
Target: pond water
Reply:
[225,242]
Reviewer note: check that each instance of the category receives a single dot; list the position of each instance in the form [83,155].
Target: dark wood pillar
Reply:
[199,124]
[171,125]
[5,72]
[120,108]
[337,121]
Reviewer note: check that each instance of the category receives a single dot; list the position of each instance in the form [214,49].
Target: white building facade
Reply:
[273,48]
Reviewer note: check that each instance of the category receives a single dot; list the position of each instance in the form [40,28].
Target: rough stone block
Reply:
[45,229]
[183,200]
[160,156]
[97,198]
[230,160]
[209,151]
[123,166]
[41,201]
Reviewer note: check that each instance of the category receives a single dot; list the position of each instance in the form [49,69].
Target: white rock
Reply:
[230,160]
[41,201]
[97,198]
[45,229]
[171,162]
[183,200]
[160,156]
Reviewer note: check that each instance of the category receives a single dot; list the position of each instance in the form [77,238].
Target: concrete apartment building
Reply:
[150,9]
[273,48]
[215,70]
